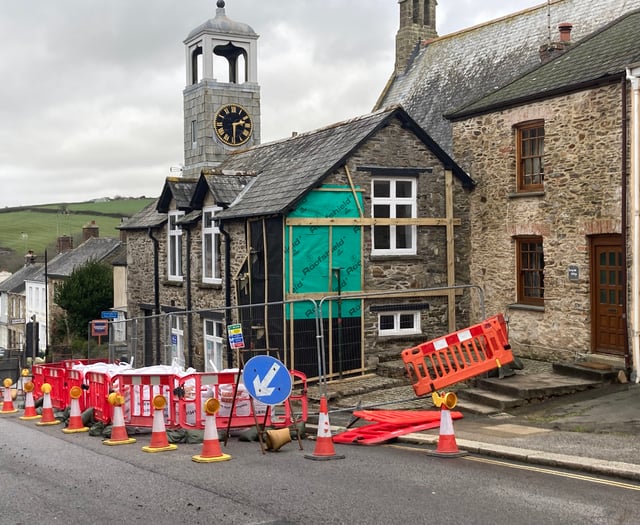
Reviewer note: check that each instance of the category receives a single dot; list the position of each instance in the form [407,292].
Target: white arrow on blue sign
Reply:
[267,380]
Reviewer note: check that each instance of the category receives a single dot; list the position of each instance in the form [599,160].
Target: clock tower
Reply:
[222,95]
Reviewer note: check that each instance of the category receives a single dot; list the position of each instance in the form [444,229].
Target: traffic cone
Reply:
[324,443]
[159,440]
[211,450]
[75,423]
[29,405]
[7,406]
[119,434]
[447,446]
[47,410]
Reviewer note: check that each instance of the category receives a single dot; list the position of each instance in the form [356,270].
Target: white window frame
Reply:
[174,247]
[392,202]
[396,330]
[177,335]
[211,234]
[213,331]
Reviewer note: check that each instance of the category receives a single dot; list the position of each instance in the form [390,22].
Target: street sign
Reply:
[109,314]
[267,380]
[234,332]
[99,327]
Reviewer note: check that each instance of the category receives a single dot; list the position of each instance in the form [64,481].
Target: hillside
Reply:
[37,227]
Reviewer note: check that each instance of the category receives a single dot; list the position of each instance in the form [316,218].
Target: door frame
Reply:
[614,240]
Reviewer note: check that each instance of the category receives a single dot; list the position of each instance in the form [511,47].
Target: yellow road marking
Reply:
[542,470]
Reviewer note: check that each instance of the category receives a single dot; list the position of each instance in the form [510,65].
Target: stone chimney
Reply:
[417,23]
[90,230]
[64,243]
[29,258]
[551,50]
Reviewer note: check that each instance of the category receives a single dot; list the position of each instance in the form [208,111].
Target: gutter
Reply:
[227,286]
[156,295]
[633,75]
[188,299]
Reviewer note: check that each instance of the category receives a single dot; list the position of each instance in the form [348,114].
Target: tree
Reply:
[87,292]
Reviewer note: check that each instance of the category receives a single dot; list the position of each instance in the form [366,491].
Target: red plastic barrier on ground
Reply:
[390,424]
[458,356]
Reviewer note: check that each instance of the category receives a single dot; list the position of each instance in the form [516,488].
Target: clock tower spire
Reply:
[222,95]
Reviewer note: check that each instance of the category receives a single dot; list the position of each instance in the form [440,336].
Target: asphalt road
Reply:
[51,477]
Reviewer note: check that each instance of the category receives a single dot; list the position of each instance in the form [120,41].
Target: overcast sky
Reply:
[91,91]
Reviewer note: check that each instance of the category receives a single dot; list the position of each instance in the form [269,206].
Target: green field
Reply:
[37,227]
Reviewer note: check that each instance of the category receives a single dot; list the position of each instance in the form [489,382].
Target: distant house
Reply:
[41,286]
[13,305]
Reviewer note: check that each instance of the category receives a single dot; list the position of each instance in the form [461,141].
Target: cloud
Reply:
[92,91]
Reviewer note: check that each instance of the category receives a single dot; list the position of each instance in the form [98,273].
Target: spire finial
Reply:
[220,4]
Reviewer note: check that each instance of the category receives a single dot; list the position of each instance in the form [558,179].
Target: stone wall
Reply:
[582,197]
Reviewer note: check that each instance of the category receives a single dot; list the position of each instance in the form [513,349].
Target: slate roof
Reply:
[288,169]
[179,190]
[598,58]
[147,217]
[15,283]
[224,187]
[94,248]
[454,70]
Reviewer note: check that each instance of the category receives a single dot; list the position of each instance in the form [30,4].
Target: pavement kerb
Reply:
[616,469]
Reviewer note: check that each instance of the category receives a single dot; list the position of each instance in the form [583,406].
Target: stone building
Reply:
[229,232]
[537,108]
[367,206]
[371,205]
[550,154]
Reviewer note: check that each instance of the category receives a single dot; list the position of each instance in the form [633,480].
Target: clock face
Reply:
[232,125]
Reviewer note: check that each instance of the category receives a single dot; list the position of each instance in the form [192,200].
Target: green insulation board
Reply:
[321,259]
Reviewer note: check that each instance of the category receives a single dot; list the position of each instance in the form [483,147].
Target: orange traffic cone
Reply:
[159,440]
[47,410]
[447,446]
[75,423]
[119,434]
[29,405]
[211,450]
[7,406]
[324,442]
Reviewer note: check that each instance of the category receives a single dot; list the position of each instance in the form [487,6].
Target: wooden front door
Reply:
[608,295]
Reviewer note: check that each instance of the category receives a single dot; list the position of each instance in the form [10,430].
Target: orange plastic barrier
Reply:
[194,389]
[76,378]
[37,376]
[56,375]
[458,356]
[97,395]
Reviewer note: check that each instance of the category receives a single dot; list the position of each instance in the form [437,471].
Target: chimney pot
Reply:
[565,31]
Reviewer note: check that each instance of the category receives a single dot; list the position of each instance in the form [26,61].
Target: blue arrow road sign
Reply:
[267,379]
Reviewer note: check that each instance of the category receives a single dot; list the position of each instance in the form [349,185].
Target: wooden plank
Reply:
[370,221]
